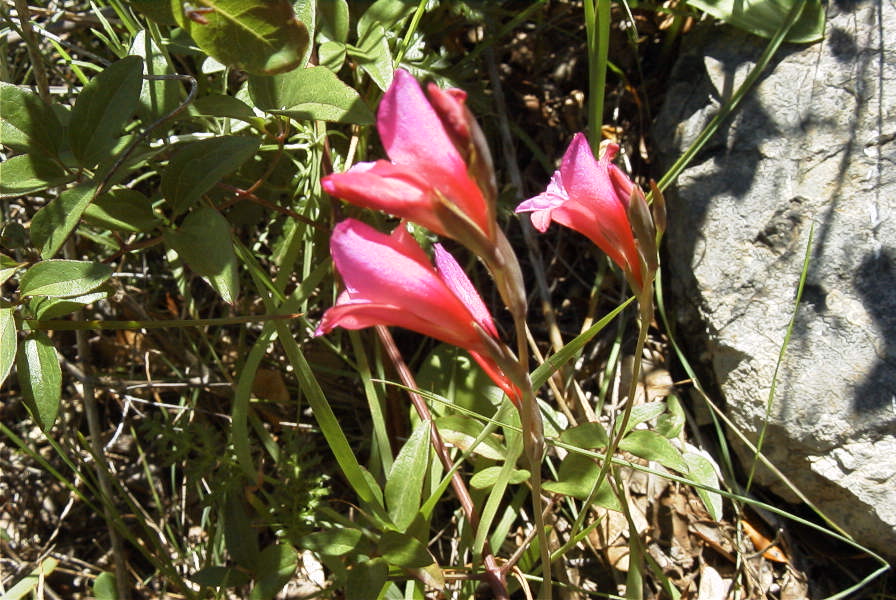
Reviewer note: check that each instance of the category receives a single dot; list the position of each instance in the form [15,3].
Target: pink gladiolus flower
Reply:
[426,179]
[591,197]
[389,280]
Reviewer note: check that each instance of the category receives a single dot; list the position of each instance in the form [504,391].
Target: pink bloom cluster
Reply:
[439,176]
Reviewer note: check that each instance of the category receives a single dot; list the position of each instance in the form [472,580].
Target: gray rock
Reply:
[815,142]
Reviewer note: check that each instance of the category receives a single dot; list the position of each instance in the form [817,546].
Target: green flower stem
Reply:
[63,325]
[645,309]
[597,25]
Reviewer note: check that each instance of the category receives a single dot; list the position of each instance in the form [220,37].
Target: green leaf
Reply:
[702,471]
[586,436]
[29,173]
[452,373]
[63,278]
[375,57]
[122,210]
[670,423]
[55,221]
[7,342]
[105,587]
[331,55]
[157,10]
[765,17]
[40,378]
[404,485]
[197,167]
[366,579]
[103,108]
[159,97]
[333,542]
[240,537]
[259,36]
[26,123]
[276,566]
[52,308]
[576,478]
[221,105]
[203,242]
[653,446]
[333,19]
[643,413]
[487,477]
[403,550]
[315,93]
[217,576]
[8,267]
[385,13]
[461,431]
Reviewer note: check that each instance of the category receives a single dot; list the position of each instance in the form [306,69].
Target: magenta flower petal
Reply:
[411,132]
[590,197]
[458,282]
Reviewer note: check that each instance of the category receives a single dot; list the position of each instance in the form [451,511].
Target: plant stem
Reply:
[37,63]
[597,25]
[62,325]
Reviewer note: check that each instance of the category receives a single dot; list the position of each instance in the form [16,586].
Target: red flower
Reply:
[437,169]
[390,281]
[591,197]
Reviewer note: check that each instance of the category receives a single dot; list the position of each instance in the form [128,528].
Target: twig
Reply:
[37,63]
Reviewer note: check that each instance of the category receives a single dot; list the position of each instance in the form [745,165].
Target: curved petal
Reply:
[411,132]
[458,282]
[393,189]
[542,205]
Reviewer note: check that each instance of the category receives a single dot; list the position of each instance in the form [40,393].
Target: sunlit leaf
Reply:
[29,173]
[40,378]
[258,36]
[487,477]
[404,485]
[26,123]
[670,423]
[157,97]
[315,93]
[335,541]
[702,471]
[366,579]
[577,476]
[7,342]
[461,431]
[103,108]
[55,221]
[63,278]
[52,308]
[652,446]
[586,436]
[765,17]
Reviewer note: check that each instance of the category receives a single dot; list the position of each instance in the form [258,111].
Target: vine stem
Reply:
[495,576]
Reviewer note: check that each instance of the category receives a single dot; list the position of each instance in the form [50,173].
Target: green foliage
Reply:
[40,378]
[765,17]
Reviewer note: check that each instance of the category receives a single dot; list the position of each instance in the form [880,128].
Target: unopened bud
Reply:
[659,208]
[642,226]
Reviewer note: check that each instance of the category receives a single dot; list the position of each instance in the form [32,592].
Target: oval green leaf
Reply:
[103,108]
[670,423]
[161,96]
[315,94]
[577,476]
[403,550]
[122,210]
[29,173]
[40,378]
[203,242]
[333,542]
[63,278]
[26,123]
[197,167]
[276,566]
[45,308]
[652,446]
[55,221]
[7,342]
[404,487]
[702,471]
[487,477]
[259,36]
[366,579]
[586,436]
